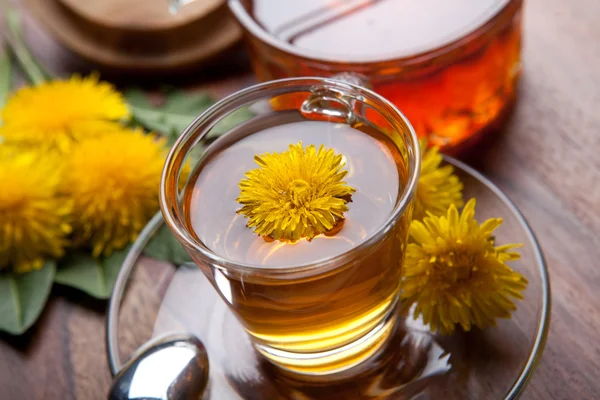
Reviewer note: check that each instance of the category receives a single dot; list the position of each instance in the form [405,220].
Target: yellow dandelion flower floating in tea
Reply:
[113,180]
[438,187]
[57,113]
[455,274]
[33,215]
[295,194]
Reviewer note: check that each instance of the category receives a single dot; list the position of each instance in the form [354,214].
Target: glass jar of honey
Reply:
[450,66]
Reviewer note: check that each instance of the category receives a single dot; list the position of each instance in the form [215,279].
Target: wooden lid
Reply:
[139,35]
[140,15]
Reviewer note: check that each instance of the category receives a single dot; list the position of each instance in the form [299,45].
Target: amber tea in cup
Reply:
[450,66]
[315,306]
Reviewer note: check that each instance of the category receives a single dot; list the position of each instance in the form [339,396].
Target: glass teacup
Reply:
[312,317]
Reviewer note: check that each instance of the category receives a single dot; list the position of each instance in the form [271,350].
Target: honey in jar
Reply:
[450,66]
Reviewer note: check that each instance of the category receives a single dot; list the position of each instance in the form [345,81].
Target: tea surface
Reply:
[212,204]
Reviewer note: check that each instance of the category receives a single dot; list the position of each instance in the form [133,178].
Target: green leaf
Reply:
[164,246]
[173,116]
[137,98]
[94,276]
[34,71]
[23,297]
[178,101]
[5,76]
[179,109]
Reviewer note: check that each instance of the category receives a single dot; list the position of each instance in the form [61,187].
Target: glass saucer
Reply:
[153,297]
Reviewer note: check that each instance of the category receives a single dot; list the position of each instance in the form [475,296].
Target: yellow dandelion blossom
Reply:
[57,113]
[438,187]
[295,194]
[33,214]
[455,274]
[113,180]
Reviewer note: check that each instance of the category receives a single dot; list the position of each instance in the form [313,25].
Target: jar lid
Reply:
[368,30]
[139,15]
[139,36]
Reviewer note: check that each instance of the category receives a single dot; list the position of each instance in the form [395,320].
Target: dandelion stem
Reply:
[5,76]
[34,71]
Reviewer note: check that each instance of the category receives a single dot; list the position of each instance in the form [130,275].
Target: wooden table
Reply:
[546,160]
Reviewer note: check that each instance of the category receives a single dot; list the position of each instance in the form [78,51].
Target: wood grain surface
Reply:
[546,159]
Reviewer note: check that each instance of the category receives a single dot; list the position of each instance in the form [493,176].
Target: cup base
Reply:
[408,361]
[335,362]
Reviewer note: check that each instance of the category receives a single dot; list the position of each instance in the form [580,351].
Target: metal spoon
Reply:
[165,368]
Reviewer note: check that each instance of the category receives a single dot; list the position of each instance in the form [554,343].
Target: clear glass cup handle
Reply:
[333,103]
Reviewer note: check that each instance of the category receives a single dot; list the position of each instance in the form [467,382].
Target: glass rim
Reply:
[210,117]
[476,31]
